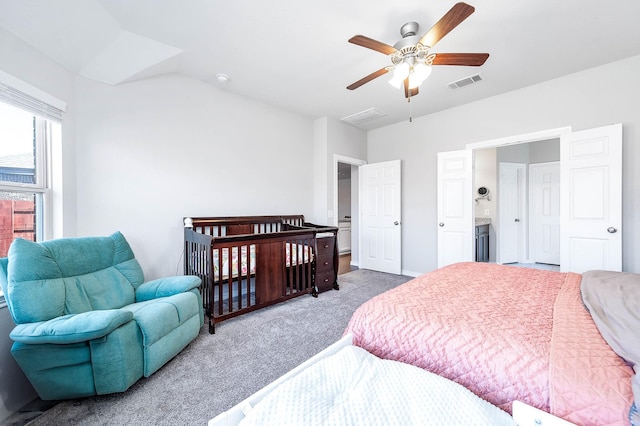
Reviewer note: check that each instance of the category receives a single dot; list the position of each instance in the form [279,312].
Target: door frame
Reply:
[554,133]
[520,139]
[355,208]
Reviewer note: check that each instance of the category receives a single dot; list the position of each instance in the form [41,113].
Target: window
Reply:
[27,128]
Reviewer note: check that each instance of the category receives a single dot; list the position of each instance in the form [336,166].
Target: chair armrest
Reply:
[163,287]
[72,328]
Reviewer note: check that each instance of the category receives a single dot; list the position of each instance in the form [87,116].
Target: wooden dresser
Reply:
[327,262]
[326,265]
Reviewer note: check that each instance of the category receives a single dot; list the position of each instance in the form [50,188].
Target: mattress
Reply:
[243,290]
[356,387]
[243,259]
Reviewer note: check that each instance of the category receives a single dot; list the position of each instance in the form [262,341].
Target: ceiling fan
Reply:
[411,57]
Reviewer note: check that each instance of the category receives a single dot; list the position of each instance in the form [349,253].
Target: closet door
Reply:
[545,212]
[455,209]
[591,202]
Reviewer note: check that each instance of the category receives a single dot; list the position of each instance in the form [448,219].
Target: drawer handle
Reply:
[326,246]
[326,263]
[326,280]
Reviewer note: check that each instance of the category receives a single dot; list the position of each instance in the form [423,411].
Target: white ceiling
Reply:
[294,54]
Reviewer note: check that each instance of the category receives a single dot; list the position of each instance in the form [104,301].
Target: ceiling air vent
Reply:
[465,81]
[361,117]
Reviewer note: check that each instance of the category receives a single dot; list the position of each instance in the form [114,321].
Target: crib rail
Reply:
[248,271]
[242,225]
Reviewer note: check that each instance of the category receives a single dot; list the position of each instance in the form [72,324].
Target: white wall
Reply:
[484,161]
[153,151]
[600,96]
[332,137]
[544,151]
[343,140]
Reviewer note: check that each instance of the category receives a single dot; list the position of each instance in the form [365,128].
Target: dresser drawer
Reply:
[324,263]
[326,246]
[325,280]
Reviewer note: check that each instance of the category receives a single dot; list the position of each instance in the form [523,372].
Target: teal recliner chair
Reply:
[87,323]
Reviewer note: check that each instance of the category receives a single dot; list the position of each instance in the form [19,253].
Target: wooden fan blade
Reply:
[368,78]
[468,59]
[458,13]
[372,44]
[408,93]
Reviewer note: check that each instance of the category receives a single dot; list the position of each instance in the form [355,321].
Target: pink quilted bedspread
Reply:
[495,330]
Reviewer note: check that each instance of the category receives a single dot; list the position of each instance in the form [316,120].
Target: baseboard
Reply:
[411,273]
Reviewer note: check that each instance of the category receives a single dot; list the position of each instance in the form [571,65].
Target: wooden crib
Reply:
[249,262]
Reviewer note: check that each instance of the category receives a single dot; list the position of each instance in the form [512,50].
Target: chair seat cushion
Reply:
[72,328]
[158,317]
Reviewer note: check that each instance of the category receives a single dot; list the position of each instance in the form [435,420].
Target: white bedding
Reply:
[355,387]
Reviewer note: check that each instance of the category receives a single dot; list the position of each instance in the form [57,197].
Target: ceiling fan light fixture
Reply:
[396,82]
[411,58]
[414,81]
[422,71]
[401,70]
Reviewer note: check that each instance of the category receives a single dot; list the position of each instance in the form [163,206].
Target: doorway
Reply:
[345,190]
[591,205]
[344,209]
[508,169]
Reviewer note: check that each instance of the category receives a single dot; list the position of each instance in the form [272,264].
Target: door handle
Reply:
[441,224]
[517,220]
[396,223]
[612,230]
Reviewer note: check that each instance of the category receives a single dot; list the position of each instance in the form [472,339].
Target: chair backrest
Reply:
[69,276]
[4,262]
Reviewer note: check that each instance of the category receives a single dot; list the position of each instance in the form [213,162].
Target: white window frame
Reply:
[42,174]
[46,109]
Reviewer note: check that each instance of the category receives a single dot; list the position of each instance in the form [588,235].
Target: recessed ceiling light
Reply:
[222,78]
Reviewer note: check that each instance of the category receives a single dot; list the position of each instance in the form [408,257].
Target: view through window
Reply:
[30,128]
[21,187]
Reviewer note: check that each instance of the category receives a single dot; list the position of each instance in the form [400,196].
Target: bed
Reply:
[249,262]
[346,385]
[511,334]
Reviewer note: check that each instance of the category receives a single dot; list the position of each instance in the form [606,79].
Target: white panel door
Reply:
[456,241]
[511,212]
[380,247]
[591,204]
[545,212]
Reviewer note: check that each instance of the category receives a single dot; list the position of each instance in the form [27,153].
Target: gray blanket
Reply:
[613,300]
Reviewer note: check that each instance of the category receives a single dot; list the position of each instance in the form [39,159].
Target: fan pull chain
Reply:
[410,114]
